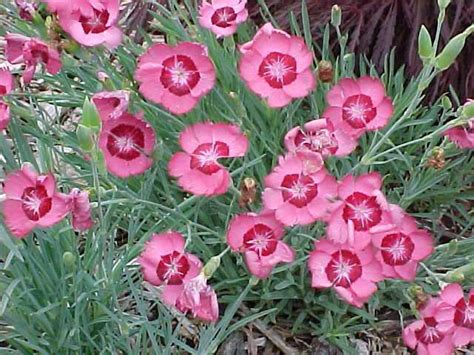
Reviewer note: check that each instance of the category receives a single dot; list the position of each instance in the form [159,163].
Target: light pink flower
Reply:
[361,211]
[298,192]
[4,115]
[111,104]
[462,136]
[401,249]
[81,210]
[222,16]
[26,9]
[320,136]
[456,313]
[197,168]
[91,23]
[258,237]
[199,298]
[352,273]
[357,106]
[61,5]
[426,336]
[165,263]
[127,143]
[7,82]
[31,51]
[176,77]
[32,201]
[277,66]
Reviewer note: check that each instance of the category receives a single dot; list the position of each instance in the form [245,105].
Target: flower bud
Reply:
[446,102]
[325,71]
[468,109]
[69,260]
[443,4]
[211,266]
[449,54]
[425,45]
[90,116]
[85,137]
[336,16]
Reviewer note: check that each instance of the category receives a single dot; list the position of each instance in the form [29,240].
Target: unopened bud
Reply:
[211,266]
[446,102]
[425,45]
[325,71]
[69,260]
[336,16]
[468,109]
[85,137]
[449,53]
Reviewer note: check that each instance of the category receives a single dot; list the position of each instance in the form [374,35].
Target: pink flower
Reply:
[31,51]
[361,211]
[277,66]
[176,77]
[32,201]
[462,136]
[81,210]
[259,238]
[356,106]
[352,273]
[164,263]
[200,299]
[61,5]
[7,82]
[400,249]
[456,314]
[4,115]
[320,136]
[26,9]
[127,143]
[298,192]
[222,16]
[197,168]
[111,104]
[426,336]
[91,23]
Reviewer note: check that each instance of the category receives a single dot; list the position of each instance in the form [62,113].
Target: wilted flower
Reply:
[175,77]
[277,66]
[111,104]
[127,143]
[258,237]
[32,201]
[26,8]
[222,16]
[4,115]
[81,210]
[197,168]
[31,51]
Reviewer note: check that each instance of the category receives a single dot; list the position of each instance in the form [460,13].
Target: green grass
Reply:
[92,299]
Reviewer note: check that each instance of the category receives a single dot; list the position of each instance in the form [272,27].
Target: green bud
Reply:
[336,15]
[446,102]
[443,4]
[449,54]
[468,109]
[69,260]
[71,46]
[211,266]
[452,247]
[425,45]
[85,138]
[460,274]
[90,116]
[454,276]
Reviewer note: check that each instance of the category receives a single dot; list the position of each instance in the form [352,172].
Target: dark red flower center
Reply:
[364,211]
[428,334]
[3,90]
[172,268]
[205,157]
[35,202]
[40,53]
[224,17]
[179,75]
[344,268]
[464,314]
[260,239]
[299,190]
[358,110]
[322,141]
[397,249]
[97,23]
[278,69]
[125,142]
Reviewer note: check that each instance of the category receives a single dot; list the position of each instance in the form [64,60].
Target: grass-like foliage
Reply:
[64,292]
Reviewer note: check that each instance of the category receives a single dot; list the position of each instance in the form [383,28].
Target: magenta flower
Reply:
[176,77]
[258,237]
[299,193]
[277,66]
[31,51]
[320,136]
[199,298]
[127,143]
[111,104]
[7,84]
[361,211]
[32,201]
[352,273]
[463,136]
[197,168]
[357,106]
[4,115]
[26,9]
[426,336]
[222,16]
[165,263]
[81,210]
[456,314]
[402,248]
[90,23]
